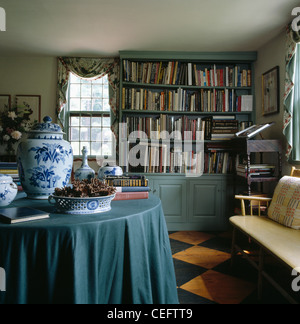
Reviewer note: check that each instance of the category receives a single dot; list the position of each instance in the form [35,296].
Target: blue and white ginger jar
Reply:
[8,190]
[45,160]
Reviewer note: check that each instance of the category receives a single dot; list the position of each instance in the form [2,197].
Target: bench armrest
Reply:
[252,198]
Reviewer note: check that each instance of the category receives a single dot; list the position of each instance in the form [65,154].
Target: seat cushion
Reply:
[282,241]
[285,205]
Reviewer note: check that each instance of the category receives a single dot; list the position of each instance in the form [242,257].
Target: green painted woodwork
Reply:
[193,203]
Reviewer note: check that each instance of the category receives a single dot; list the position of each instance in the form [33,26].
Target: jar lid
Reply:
[46,127]
[5,179]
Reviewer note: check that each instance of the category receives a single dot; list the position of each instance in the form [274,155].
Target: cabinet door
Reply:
[172,194]
[206,204]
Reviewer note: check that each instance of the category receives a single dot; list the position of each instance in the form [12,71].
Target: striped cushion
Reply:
[285,206]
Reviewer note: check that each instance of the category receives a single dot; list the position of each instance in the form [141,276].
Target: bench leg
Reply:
[260,274]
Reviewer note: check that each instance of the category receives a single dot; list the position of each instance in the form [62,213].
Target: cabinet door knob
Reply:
[154,191]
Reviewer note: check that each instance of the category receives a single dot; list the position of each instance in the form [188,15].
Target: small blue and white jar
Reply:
[85,171]
[8,190]
[45,160]
[108,170]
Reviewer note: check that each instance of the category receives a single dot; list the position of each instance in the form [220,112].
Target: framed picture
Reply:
[33,102]
[270,92]
[5,102]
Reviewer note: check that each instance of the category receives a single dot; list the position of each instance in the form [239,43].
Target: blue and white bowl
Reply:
[81,206]
[8,190]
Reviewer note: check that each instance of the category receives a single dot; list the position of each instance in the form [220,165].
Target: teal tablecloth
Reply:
[122,256]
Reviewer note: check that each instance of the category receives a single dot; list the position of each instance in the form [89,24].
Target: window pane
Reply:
[75,121]
[75,91]
[85,134]
[106,106]
[105,91]
[97,105]
[86,90]
[96,148]
[106,135]
[96,121]
[97,91]
[74,133]
[106,121]
[85,121]
[75,104]
[96,134]
[86,104]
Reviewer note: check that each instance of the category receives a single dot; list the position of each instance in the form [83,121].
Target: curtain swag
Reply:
[89,68]
[290,114]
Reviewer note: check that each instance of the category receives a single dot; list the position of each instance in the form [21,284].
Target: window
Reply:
[88,116]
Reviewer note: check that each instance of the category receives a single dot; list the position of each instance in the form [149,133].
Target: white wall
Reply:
[30,76]
[270,55]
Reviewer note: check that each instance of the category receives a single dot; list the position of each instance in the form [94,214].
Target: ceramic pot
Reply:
[84,172]
[8,190]
[45,160]
[108,170]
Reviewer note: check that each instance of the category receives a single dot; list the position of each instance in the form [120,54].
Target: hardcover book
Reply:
[21,214]
[253,130]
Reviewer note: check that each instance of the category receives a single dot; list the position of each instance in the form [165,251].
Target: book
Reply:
[131,195]
[21,214]
[133,189]
[127,182]
[253,130]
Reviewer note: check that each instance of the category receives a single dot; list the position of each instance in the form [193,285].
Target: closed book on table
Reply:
[131,195]
[21,214]
[133,189]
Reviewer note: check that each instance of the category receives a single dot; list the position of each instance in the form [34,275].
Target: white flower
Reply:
[16,135]
[1,129]
[6,138]
[12,115]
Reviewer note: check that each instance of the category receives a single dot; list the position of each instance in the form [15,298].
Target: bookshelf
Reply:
[174,97]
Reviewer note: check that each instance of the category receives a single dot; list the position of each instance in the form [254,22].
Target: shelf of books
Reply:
[189,98]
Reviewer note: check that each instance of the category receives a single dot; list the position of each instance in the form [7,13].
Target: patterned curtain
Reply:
[291,122]
[89,68]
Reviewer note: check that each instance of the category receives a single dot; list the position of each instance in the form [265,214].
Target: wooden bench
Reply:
[271,236]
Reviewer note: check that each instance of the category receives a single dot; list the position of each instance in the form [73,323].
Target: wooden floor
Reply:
[204,275]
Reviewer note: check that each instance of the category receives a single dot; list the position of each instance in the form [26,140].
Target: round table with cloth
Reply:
[119,257]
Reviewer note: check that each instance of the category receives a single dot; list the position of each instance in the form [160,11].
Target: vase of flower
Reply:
[13,125]
[45,160]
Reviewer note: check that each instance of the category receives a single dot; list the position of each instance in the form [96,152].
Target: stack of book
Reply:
[11,169]
[129,187]
[256,170]
[224,129]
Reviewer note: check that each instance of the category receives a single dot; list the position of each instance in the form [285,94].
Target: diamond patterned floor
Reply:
[204,276]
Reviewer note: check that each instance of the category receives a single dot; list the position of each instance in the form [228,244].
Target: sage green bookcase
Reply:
[213,85]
